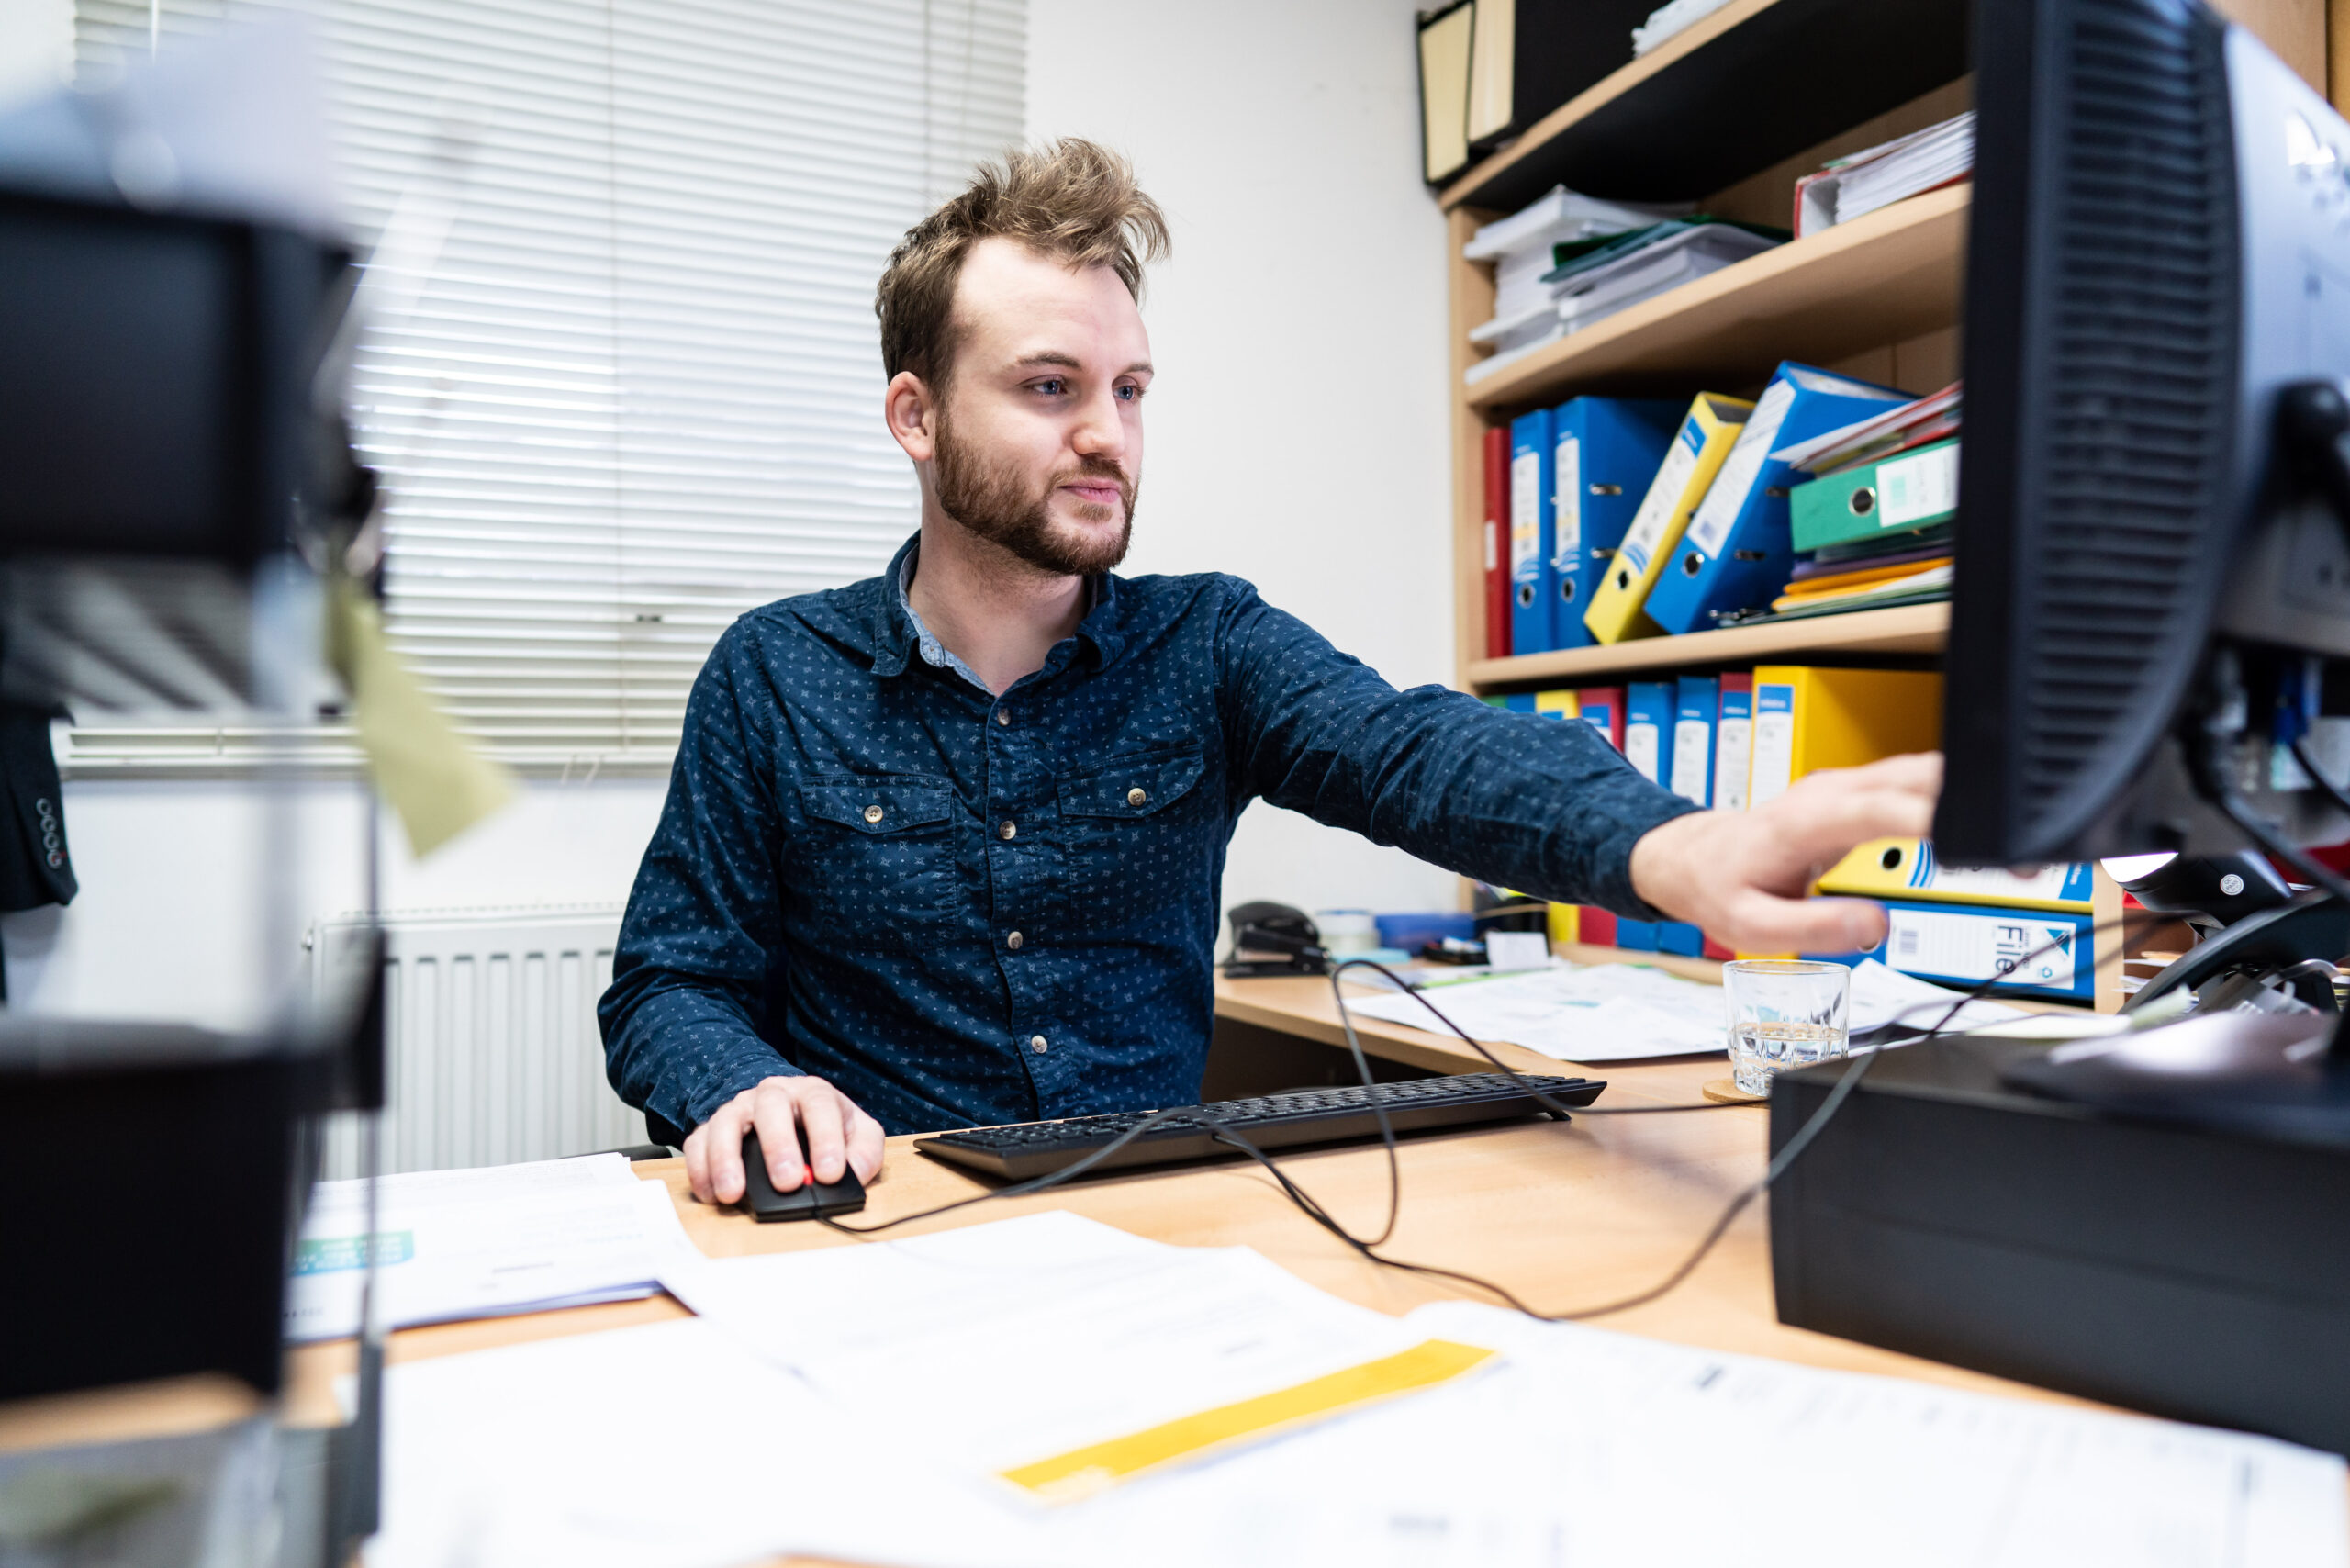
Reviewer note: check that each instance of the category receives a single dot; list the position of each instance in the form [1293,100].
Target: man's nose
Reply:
[1100,432]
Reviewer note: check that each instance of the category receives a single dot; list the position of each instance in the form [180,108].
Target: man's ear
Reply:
[912,414]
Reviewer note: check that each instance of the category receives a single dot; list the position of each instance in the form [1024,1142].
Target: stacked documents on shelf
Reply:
[454,1244]
[1871,511]
[1928,419]
[1670,18]
[1570,1445]
[1850,187]
[1526,246]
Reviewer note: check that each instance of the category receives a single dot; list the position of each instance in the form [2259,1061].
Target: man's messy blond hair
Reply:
[1072,200]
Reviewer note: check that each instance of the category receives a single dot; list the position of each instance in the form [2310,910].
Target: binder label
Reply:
[1640,749]
[1734,744]
[1980,947]
[1726,498]
[1912,489]
[1774,745]
[1692,740]
[1526,517]
[1568,509]
[1663,502]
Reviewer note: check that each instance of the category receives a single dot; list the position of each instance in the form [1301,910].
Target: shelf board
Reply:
[1910,629]
[1895,274]
[1727,96]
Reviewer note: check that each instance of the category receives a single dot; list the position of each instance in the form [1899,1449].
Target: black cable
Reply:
[2209,772]
[1313,1210]
[1779,1165]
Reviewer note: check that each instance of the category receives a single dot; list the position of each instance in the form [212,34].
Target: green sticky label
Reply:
[331,1254]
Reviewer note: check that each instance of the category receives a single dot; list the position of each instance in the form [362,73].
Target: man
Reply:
[944,847]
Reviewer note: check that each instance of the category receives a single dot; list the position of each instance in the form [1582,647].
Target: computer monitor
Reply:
[2153,564]
[2154,539]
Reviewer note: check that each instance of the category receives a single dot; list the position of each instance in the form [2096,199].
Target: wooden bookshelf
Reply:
[1731,94]
[1896,273]
[1907,632]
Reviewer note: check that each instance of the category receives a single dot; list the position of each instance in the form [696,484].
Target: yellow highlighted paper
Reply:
[1081,1471]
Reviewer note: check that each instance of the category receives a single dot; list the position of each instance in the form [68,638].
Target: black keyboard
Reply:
[1269,1120]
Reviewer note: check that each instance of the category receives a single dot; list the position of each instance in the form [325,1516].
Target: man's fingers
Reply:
[1826,823]
[698,1164]
[1761,923]
[819,1113]
[864,1145]
[776,1116]
[721,1152]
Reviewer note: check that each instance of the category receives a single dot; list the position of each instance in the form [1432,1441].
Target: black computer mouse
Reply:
[807,1199]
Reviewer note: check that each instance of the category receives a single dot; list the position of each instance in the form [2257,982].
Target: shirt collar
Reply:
[898,631]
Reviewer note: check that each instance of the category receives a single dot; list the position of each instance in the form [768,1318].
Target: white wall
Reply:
[1297,426]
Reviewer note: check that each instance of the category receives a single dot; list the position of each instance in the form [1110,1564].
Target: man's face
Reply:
[1039,437]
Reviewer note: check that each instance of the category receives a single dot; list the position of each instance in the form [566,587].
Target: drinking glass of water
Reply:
[1784,1013]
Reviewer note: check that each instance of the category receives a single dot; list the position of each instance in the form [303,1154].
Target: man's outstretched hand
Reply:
[1741,875]
[840,1137]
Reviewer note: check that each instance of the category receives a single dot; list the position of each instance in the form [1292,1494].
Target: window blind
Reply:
[639,391]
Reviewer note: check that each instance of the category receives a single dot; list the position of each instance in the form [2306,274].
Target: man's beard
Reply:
[992,503]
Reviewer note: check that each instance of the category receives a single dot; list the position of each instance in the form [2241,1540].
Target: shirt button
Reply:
[873,813]
[1036,1043]
[1138,795]
[1014,941]
[1003,716]
[1009,830]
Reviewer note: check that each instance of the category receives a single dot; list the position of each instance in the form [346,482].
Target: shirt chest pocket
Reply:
[876,858]
[1139,833]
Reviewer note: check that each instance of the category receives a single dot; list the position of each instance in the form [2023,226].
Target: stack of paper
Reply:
[1522,248]
[1670,18]
[1849,187]
[1935,417]
[1574,1445]
[453,1244]
[1574,1013]
[1624,1011]
[1159,1354]
[1593,283]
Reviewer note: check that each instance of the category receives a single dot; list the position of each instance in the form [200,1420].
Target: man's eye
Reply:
[1052,387]
[1130,393]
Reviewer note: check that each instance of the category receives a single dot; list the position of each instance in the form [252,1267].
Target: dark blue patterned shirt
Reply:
[964,909]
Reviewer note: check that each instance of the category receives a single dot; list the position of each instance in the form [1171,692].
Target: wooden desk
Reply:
[1567,1216]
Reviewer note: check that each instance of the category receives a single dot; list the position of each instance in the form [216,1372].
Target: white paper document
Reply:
[456,1244]
[1621,1012]
[679,1446]
[1881,996]
[1110,1342]
[1667,1455]
[1575,1012]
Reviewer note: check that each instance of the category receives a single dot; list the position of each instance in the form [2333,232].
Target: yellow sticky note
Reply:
[429,774]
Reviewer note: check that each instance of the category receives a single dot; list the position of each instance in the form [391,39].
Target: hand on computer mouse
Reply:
[839,1137]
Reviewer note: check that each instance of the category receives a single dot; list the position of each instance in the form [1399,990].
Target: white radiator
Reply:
[491,1024]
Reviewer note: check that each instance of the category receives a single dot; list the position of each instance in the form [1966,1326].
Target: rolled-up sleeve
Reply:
[1544,807]
[685,1022]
